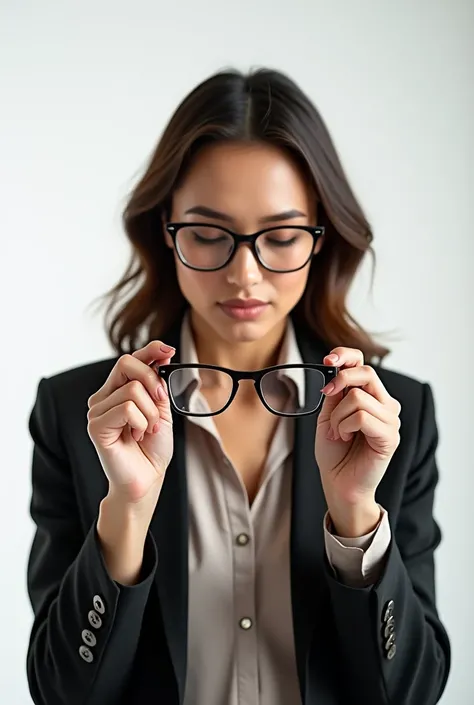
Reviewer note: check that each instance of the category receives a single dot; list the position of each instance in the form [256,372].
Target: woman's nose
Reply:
[244,269]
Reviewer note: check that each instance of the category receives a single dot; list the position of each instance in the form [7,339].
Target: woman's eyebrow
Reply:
[217,215]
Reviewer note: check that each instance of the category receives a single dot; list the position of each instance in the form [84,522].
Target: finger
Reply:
[363,376]
[380,436]
[132,391]
[350,357]
[156,351]
[358,400]
[130,367]
[120,416]
[151,353]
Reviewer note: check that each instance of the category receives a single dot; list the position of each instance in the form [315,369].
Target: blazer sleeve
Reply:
[403,651]
[69,586]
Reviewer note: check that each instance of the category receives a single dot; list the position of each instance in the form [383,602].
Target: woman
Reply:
[276,551]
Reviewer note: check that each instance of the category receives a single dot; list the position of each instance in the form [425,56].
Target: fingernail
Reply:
[166,348]
[333,357]
[328,388]
[156,427]
[330,434]
[160,393]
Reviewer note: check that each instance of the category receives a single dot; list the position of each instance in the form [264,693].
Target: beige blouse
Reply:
[240,631]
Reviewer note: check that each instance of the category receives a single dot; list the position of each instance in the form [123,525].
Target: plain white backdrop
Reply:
[85,90]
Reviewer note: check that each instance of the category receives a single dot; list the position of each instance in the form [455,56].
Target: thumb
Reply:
[163,405]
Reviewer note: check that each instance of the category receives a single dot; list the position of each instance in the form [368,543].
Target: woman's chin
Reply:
[243,331]
[236,332]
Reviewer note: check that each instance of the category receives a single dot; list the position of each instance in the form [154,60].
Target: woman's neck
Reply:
[253,355]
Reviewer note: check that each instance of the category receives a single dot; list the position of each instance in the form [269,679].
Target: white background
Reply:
[85,90]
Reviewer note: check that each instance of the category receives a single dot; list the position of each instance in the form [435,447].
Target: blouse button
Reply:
[243,539]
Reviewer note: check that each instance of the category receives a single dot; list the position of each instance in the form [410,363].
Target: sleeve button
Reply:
[94,619]
[86,654]
[388,610]
[98,604]
[88,637]
[389,629]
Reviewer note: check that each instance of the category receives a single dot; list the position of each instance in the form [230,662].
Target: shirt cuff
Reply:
[358,562]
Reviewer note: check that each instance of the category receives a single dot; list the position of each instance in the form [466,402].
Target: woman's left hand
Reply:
[356,437]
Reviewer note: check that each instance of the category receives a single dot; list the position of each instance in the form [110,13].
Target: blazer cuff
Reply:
[358,562]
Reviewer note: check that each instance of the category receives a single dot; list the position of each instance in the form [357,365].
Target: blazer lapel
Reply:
[169,527]
[307,538]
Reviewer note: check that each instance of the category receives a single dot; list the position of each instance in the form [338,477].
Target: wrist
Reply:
[354,520]
[138,511]
[122,532]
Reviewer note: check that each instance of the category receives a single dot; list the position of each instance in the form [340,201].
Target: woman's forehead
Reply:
[257,179]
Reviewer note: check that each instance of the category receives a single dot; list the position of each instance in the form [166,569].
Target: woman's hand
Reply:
[356,437]
[130,425]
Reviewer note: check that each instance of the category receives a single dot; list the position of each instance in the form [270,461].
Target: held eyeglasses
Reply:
[284,390]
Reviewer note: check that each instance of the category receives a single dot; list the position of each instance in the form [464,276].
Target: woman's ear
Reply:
[319,244]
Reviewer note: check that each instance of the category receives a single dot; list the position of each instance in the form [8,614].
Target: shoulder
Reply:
[399,384]
[406,388]
[415,397]
[73,386]
[61,402]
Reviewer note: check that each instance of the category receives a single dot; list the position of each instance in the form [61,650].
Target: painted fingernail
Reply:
[328,388]
[166,348]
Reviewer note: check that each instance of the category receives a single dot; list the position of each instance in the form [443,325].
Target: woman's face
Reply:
[247,187]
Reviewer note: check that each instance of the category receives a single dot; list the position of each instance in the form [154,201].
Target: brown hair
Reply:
[267,106]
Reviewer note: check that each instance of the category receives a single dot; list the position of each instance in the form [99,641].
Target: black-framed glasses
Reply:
[284,390]
[207,247]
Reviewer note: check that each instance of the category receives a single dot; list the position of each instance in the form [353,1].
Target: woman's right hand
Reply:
[130,425]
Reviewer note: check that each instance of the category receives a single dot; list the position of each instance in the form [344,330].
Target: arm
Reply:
[65,574]
[412,666]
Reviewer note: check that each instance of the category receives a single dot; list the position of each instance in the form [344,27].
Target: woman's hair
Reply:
[264,106]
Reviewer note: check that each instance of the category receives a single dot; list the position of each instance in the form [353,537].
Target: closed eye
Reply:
[209,240]
[281,243]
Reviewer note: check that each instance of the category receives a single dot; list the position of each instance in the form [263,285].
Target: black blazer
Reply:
[140,654]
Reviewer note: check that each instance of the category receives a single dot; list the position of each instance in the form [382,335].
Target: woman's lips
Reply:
[243,310]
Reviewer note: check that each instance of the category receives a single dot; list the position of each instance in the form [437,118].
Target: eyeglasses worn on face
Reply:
[207,247]
[284,390]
